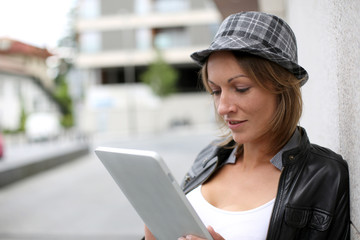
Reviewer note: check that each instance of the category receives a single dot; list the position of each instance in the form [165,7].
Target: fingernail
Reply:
[181,238]
[188,237]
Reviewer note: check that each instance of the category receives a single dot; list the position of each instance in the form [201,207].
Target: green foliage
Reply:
[62,96]
[23,117]
[161,77]
[61,92]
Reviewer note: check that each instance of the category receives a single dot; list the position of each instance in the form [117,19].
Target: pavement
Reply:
[79,199]
[26,159]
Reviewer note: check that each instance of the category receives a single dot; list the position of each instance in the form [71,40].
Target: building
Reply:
[25,84]
[117,40]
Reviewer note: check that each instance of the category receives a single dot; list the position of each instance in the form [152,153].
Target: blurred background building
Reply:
[100,65]
[117,40]
[25,85]
[93,80]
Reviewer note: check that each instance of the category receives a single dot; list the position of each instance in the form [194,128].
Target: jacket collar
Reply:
[291,151]
[289,157]
[292,143]
[296,146]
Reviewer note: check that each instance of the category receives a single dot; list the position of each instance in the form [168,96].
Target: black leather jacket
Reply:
[312,201]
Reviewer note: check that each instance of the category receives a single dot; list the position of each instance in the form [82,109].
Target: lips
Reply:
[234,124]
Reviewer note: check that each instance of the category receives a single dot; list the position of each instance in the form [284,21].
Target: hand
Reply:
[148,234]
[214,235]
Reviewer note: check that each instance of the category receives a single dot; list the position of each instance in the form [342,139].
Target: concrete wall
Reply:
[130,109]
[328,37]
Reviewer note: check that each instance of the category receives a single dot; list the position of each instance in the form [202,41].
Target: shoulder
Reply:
[214,149]
[320,157]
[210,150]
[205,163]
[328,165]
[326,156]
[207,154]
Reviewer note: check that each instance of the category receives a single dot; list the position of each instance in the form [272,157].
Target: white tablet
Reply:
[152,190]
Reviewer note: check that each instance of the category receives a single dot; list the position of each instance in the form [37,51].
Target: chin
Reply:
[238,139]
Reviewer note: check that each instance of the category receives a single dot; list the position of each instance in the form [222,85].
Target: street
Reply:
[79,200]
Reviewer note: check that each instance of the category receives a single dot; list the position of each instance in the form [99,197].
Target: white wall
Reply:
[129,109]
[16,90]
[328,36]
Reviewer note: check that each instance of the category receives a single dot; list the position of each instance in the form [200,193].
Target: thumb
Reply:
[211,229]
[214,234]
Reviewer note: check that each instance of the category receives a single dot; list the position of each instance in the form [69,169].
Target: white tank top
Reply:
[248,225]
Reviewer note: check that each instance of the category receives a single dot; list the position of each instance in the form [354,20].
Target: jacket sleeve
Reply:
[340,227]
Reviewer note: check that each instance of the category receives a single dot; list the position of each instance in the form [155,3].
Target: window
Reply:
[171,37]
[90,42]
[171,5]
[89,8]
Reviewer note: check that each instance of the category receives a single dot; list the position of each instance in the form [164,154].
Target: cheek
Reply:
[269,108]
[263,108]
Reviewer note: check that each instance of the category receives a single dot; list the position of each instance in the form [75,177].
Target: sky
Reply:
[37,22]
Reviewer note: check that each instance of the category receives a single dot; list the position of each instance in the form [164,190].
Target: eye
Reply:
[215,92]
[242,90]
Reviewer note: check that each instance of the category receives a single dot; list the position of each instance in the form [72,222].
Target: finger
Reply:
[148,234]
[211,230]
[214,234]
[191,237]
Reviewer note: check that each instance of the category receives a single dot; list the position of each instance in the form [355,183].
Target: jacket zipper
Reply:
[278,200]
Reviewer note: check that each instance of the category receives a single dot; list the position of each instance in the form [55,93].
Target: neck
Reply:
[255,155]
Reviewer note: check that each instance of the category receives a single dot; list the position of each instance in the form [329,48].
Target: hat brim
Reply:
[255,48]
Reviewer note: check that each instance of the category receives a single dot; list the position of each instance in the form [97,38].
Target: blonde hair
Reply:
[277,80]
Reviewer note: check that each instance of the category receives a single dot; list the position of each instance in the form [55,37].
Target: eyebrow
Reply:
[237,76]
[230,79]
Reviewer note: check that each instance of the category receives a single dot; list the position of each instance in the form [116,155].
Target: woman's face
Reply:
[246,108]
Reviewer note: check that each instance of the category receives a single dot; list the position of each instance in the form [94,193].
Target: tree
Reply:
[160,76]
[63,97]
[61,92]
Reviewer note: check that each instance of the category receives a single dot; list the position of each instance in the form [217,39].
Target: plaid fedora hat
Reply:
[260,34]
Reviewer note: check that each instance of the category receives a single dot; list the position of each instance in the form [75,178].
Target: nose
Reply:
[225,104]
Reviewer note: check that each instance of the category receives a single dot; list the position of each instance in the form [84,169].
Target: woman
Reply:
[265,180]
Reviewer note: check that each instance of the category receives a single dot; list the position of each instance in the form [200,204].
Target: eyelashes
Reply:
[242,90]
[239,90]
[215,92]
